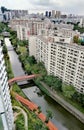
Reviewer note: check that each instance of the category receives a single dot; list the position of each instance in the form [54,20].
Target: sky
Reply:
[65,6]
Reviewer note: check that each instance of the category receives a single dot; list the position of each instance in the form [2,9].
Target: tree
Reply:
[4,49]
[39,109]
[49,115]
[53,82]
[68,90]
[75,39]
[27,68]
[31,60]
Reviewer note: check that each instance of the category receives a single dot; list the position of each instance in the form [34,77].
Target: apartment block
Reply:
[58,14]
[61,58]
[27,27]
[32,46]
[6,113]
[64,32]
[23,32]
[53,13]
[62,25]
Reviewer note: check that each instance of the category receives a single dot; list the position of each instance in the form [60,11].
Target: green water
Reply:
[1,124]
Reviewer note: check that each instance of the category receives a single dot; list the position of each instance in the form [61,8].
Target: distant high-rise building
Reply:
[58,14]
[49,13]
[6,113]
[53,13]
[46,13]
[81,24]
[18,13]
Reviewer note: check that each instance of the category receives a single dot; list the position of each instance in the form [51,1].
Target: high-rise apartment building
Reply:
[6,113]
[23,32]
[53,13]
[49,13]
[61,58]
[58,14]
[81,24]
[46,13]
[27,27]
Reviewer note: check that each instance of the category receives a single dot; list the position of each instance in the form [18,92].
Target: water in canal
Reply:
[61,118]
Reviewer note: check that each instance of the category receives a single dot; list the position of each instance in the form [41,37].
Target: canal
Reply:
[61,118]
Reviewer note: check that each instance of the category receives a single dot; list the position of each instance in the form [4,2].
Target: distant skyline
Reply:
[65,6]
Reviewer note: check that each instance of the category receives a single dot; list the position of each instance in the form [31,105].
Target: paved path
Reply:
[64,103]
[25,116]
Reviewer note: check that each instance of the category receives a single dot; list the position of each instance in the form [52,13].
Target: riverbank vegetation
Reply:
[7,63]
[65,91]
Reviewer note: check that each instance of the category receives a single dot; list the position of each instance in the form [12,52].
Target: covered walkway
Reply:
[32,106]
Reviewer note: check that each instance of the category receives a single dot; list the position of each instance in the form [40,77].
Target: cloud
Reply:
[70,6]
[46,3]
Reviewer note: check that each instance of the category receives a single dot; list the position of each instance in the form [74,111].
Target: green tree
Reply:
[28,68]
[68,90]
[48,116]
[75,39]
[4,49]
[31,60]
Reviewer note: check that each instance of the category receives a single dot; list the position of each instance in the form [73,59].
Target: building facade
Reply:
[62,58]
[6,113]
[23,32]
[58,14]
[27,27]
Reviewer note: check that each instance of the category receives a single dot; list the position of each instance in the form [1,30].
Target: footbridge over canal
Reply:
[22,78]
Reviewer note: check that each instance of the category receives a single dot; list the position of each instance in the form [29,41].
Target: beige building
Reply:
[27,27]
[53,13]
[62,25]
[23,32]
[61,58]
[32,46]
[64,32]
[81,24]
[58,14]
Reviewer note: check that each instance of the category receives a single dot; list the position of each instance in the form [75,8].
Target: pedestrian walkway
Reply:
[24,114]
[32,106]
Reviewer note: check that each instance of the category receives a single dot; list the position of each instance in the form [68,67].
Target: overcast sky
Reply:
[66,6]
